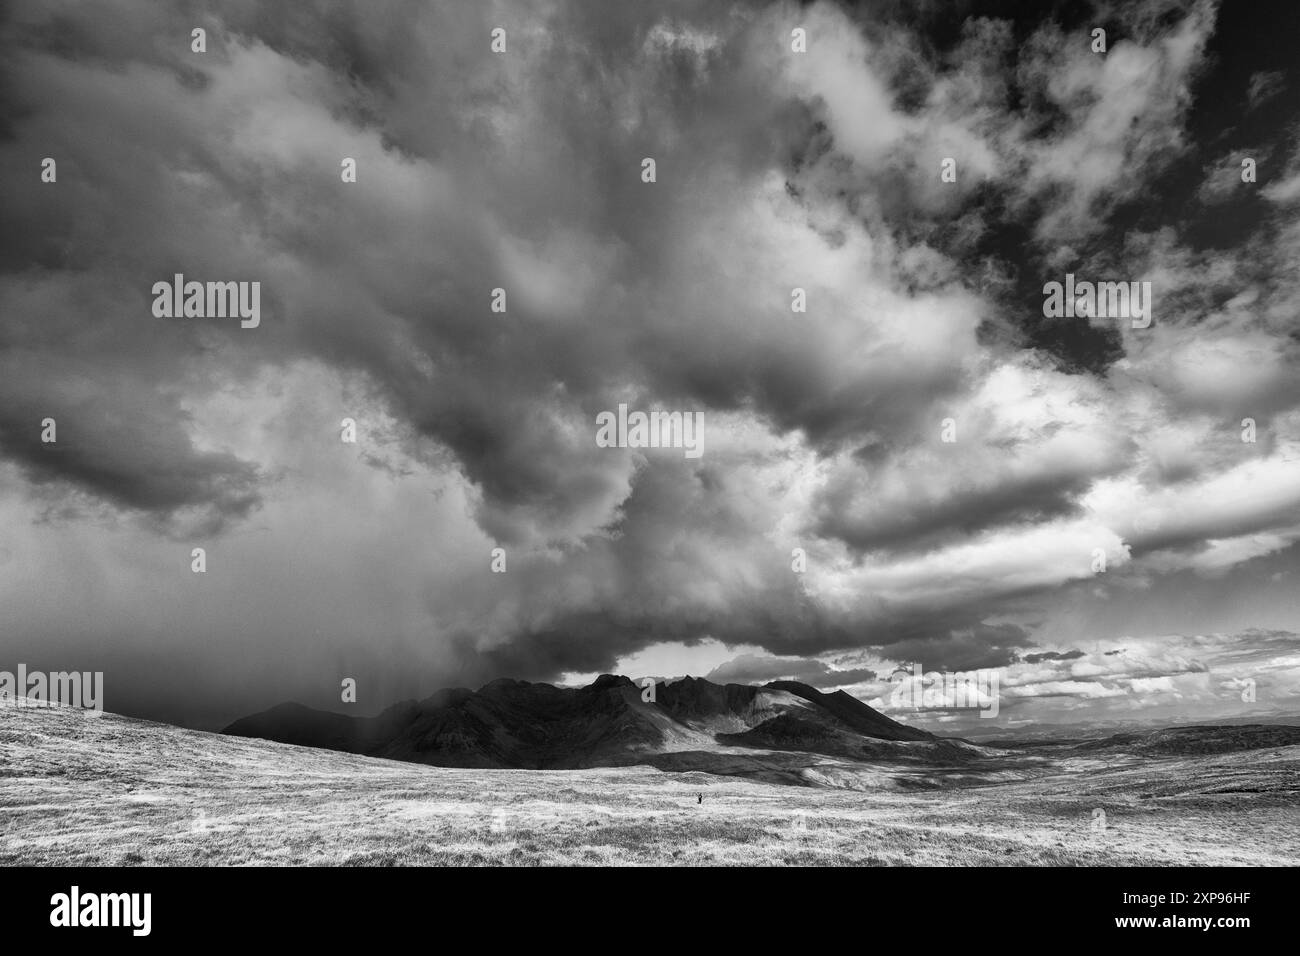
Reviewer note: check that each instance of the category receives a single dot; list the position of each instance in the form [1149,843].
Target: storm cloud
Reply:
[919,467]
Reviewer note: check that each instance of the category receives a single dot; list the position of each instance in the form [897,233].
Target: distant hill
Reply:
[1196,740]
[521,725]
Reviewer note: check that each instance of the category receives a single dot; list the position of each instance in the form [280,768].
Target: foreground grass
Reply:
[109,790]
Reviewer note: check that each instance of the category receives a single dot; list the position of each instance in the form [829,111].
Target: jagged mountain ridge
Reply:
[517,724]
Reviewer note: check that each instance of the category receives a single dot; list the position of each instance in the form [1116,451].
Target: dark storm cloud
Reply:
[1036,498]
[1052,656]
[130,450]
[521,171]
[983,646]
[483,401]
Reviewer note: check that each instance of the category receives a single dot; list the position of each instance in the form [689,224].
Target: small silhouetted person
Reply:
[699,798]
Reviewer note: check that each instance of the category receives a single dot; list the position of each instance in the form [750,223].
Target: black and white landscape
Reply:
[601,432]
[528,774]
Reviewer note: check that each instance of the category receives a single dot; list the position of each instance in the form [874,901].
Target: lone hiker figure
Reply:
[699,798]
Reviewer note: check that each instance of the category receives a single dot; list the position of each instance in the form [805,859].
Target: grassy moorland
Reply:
[112,790]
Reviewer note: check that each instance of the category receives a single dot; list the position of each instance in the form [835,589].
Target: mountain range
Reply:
[517,724]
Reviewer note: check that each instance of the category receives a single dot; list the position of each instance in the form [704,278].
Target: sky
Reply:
[918,469]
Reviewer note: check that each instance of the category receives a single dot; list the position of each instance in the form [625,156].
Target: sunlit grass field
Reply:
[79,790]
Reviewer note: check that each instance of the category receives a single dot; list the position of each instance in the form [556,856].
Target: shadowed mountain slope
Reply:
[517,724]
